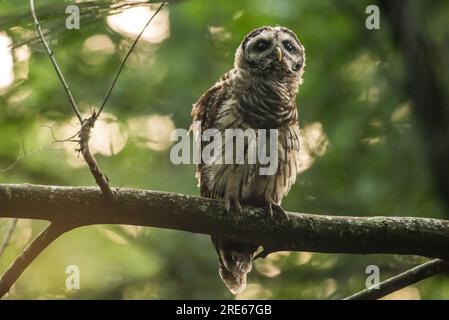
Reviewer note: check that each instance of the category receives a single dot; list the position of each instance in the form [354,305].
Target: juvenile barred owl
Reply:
[258,93]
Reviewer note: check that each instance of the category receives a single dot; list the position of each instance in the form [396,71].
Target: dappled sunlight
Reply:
[371,94]
[314,143]
[324,262]
[131,22]
[219,33]
[133,231]
[113,236]
[107,137]
[328,288]
[270,267]
[22,234]
[267,268]
[373,141]
[143,290]
[96,49]
[22,53]
[152,132]
[409,293]
[15,100]
[21,66]
[401,114]
[6,61]
[254,291]
[362,68]
[303,258]
[99,42]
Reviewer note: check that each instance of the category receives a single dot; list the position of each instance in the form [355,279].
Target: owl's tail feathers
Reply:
[235,261]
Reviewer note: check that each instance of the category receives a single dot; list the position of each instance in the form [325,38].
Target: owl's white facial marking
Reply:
[272,52]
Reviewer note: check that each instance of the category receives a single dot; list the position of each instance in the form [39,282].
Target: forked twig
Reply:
[86,124]
[56,229]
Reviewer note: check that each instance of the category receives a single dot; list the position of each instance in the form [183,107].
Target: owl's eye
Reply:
[288,46]
[262,45]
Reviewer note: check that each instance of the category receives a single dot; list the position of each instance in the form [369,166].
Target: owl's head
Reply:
[273,52]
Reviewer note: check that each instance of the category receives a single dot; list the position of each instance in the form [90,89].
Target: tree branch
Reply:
[82,206]
[405,279]
[73,207]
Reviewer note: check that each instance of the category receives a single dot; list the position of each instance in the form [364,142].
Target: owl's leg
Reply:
[273,207]
[232,202]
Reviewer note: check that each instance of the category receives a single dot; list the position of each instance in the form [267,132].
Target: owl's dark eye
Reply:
[262,45]
[288,46]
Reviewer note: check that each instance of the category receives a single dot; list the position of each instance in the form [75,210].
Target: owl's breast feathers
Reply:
[239,101]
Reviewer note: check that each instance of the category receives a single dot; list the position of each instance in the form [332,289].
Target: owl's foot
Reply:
[274,208]
[234,203]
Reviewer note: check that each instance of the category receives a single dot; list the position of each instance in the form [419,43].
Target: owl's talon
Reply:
[271,208]
[235,204]
[239,207]
[269,213]
[281,211]
[228,205]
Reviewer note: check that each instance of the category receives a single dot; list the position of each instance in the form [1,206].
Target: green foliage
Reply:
[366,153]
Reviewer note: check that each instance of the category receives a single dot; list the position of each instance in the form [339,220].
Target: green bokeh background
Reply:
[374,162]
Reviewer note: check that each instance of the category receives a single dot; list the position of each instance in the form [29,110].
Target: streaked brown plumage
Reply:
[259,93]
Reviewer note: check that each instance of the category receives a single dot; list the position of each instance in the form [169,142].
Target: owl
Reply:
[258,93]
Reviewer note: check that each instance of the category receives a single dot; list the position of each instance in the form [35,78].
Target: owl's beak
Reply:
[279,54]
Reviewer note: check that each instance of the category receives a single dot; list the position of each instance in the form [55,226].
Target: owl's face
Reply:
[272,52]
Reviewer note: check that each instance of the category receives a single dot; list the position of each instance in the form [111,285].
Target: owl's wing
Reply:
[204,113]
[289,148]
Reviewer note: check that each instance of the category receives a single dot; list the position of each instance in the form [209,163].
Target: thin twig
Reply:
[402,280]
[8,236]
[111,87]
[55,64]
[29,153]
[57,140]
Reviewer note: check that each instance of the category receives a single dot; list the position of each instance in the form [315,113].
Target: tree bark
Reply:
[74,207]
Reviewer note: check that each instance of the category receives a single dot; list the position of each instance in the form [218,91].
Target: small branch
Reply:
[86,124]
[99,176]
[402,280]
[56,140]
[42,241]
[29,153]
[8,236]
[111,87]
[55,64]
